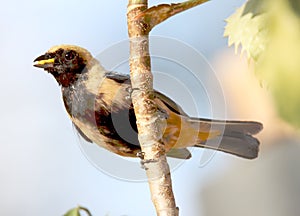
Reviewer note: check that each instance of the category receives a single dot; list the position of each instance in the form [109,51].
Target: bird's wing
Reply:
[80,133]
[122,78]
[170,104]
[182,153]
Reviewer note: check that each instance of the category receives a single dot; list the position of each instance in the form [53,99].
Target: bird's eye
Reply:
[70,55]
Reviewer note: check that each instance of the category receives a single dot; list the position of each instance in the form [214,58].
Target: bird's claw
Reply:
[130,91]
[162,113]
[144,161]
[141,155]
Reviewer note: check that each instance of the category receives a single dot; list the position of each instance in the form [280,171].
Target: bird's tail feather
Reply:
[236,138]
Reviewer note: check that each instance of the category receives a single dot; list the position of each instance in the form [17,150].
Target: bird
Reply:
[99,105]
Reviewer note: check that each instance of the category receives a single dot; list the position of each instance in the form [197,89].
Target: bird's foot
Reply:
[144,162]
[130,91]
[141,155]
[162,113]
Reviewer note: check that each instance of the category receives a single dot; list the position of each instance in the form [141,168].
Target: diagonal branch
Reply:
[157,14]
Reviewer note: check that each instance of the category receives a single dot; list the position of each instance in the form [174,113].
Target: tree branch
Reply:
[157,14]
[149,122]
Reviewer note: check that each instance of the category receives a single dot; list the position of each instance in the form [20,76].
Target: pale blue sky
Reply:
[43,171]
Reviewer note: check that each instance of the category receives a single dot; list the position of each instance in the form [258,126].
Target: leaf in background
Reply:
[269,31]
[281,64]
[73,212]
[76,211]
[247,28]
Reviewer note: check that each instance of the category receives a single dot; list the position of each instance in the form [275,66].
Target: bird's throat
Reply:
[66,79]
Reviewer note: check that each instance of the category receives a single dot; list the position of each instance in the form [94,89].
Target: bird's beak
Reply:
[43,62]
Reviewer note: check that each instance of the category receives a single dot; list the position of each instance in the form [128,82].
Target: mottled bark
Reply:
[150,121]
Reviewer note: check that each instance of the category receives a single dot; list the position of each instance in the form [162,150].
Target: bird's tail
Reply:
[234,137]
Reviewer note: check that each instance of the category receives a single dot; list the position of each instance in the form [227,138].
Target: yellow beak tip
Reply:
[43,63]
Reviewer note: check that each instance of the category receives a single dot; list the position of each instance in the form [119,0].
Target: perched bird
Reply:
[100,107]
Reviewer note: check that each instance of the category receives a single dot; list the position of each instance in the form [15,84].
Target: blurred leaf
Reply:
[269,31]
[76,211]
[255,7]
[247,28]
[295,5]
[281,64]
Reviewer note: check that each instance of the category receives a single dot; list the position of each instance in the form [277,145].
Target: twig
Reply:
[157,14]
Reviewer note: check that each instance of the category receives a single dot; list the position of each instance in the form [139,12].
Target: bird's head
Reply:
[65,62]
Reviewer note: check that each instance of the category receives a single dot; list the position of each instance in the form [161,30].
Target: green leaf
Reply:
[280,66]
[76,211]
[247,28]
[269,32]
[73,212]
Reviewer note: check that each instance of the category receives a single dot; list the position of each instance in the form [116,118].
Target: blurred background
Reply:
[44,172]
